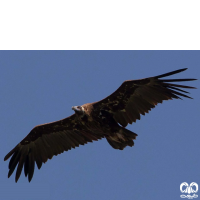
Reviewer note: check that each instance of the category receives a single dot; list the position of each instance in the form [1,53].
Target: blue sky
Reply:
[41,86]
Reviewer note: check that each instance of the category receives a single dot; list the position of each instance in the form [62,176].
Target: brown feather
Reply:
[139,96]
[99,119]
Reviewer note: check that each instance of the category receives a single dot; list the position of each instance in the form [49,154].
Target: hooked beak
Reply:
[78,109]
[73,108]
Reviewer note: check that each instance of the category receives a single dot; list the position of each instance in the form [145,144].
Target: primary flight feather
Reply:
[92,121]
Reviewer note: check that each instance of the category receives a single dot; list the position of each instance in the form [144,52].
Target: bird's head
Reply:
[78,109]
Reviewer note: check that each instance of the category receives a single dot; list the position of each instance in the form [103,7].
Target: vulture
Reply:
[106,118]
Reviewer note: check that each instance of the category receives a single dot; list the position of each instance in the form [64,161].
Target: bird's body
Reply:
[92,121]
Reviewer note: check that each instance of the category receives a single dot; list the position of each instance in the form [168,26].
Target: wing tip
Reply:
[171,73]
[11,152]
[6,157]
[16,179]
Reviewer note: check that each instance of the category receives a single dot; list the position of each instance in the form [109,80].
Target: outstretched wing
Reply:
[45,141]
[135,97]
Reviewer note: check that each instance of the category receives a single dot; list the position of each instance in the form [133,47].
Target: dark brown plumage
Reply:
[103,119]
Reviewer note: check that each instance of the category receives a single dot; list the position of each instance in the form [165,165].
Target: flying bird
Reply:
[106,118]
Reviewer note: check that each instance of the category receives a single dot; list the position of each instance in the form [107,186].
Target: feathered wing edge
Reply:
[45,147]
[148,93]
[175,88]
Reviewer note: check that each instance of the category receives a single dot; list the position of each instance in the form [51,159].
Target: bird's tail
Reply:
[121,139]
